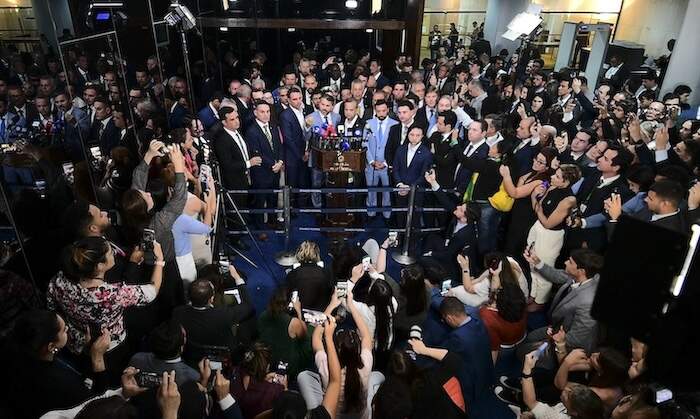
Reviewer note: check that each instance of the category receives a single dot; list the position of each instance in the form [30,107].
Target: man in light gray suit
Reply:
[571,306]
[377,170]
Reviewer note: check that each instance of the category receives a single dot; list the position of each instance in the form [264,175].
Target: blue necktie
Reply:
[2,129]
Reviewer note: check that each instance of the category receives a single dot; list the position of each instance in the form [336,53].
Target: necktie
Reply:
[242,146]
[442,82]
[2,129]
[404,131]
[328,120]
[432,114]
[100,129]
[468,150]
[20,112]
[268,134]
[380,131]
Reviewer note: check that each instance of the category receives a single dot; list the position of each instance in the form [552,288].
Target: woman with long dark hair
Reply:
[254,385]
[413,298]
[37,367]
[522,216]
[138,213]
[477,291]
[89,304]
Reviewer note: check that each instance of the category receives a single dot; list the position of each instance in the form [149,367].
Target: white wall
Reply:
[685,60]
[651,23]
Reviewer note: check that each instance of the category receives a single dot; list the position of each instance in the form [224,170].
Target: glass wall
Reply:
[443,12]
[18,28]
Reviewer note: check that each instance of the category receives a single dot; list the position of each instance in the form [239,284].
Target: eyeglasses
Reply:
[543,163]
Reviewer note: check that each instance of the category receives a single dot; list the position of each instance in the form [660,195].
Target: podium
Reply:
[338,166]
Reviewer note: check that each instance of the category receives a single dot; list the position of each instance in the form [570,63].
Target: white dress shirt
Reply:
[241,145]
[411,153]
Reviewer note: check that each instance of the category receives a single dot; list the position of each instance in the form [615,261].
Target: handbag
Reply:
[501,201]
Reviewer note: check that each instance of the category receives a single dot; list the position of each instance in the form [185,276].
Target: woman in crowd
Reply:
[253,384]
[522,215]
[287,335]
[413,301]
[476,291]
[309,278]
[354,348]
[138,214]
[552,203]
[38,369]
[537,106]
[89,304]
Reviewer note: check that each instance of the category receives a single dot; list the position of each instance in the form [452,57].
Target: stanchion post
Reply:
[286,258]
[402,257]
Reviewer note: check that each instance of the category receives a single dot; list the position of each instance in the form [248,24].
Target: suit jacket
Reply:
[566,158]
[448,87]
[414,173]
[466,164]
[73,132]
[423,117]
[445,156]
[571,308]
[523,158]
[376,146]
[352,132]
[26,121]
[177,116]
[206,115]
[294,139]
[314,284]
[382,81]
[618,79]
[234,172]
[318,122]
[394,140]
[262,176]
[108,139]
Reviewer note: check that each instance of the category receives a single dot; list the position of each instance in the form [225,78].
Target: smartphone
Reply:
[465,251]
[294,299]
[314,317]
[216,365]
[366,261]
[236,294]
[393,238]
[148,379]
[530,247]
[341,289]
[204,173]
[95,152]
[541,350]
[446,285]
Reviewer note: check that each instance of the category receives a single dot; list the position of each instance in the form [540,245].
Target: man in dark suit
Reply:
[103,131]
[177,113]
[445,155]
[474,150]
[375,69]
[399,132]
[412,160]
[662,209]
[26,111]
[445,85]
[617,73]
[83,73]
[232,153]
[230,325]
[351,123]
[426,116]
[295,135]
[470,340]
[76,126]
[524,150]
[210,113]
[575,153]
[264,141]
[591,196]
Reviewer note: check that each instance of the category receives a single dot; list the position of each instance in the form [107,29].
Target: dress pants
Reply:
[376,178]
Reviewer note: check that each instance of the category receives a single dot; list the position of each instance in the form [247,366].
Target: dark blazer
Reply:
[73,132]
[382,81]
[523,158]
[206,115]
[231,161]
[394,140]
[359,125]
[415,172]
[445,158]
[176,117]
[422,117]
[262,176]
[618,79]
[448,88]
[110,136]
[294,139]
[468,164]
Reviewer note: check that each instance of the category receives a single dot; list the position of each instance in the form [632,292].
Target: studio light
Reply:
[351,4]
[180,15]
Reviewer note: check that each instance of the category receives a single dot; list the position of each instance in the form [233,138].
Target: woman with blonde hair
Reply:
[310,279]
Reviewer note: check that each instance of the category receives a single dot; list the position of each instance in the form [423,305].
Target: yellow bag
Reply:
[501,201]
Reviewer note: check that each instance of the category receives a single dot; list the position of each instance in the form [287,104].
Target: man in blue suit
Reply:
[209,114]
[470,340]
[321,119]
[377,170]
[295,137]
[177,113]
[76,126]
[264,141]
[412,160]
[474,150]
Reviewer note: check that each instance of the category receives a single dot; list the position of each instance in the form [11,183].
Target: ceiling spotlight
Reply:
[351,4]
[223,29]
[370,30]
[291,29]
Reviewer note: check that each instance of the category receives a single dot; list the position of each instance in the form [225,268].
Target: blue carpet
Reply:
[263,281]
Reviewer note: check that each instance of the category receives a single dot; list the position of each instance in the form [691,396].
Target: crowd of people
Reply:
[130,314]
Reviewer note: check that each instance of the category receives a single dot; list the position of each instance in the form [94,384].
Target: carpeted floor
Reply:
[263,281]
